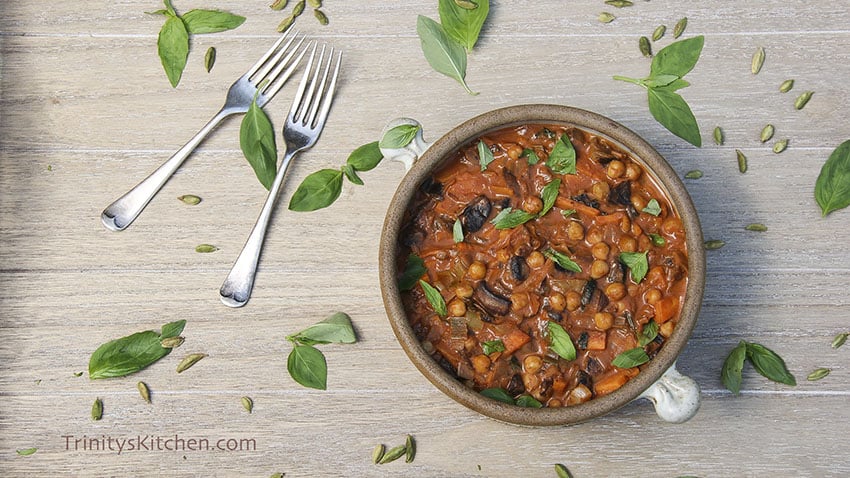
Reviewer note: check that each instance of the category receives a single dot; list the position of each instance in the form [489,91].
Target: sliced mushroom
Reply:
[519,268]
[621,194]
[489,301]
[586,200]
[515,386]
[476,213]
[587,292]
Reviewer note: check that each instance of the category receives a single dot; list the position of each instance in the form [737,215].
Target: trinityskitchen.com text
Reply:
[155,443]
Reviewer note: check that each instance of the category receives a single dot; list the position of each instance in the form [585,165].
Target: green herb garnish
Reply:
[306,364]
[530,156]
[509,218]
[462,24]
[765,361]
[399,136]
[457,231]
[130,354]
[560,341]
[562,159]
[631,358]
[648,333]
[323,187]
[549,195]
[256,139]
[528,401]
[562,260]
[26,451]
[414,269]
[637,264]
[668,68]
[652,207]
[485,156]
[656,239]
[498,394]
[492,346]
[444,54]
[434,298]
[832,188]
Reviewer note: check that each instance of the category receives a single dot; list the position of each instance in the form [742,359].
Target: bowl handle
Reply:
[675,396]
[412,151]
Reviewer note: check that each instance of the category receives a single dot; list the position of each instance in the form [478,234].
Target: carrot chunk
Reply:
[665,309]
[610,383]
[513,340]
[596,340]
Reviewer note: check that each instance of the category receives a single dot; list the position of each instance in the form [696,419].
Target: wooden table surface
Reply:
[87,112]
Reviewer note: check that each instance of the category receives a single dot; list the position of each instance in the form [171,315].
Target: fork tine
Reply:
[276,81]
[263,72]
[329,94]
[308,104]
[269,53]
[302,85]
[314,105]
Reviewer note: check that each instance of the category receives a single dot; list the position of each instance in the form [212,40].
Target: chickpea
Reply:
[532,204]
[514,151]
[666,328]
[481,363]
[638,202]
[477,270]
[464,291]
[672,225]
[633,171]
[532,363]
[555,403]
[519,301]
[598,269]
[600,190]
[557,301]
[625,224]
[603,320]
[457,308]
[594,235]
[535,259]
[502,255]
[627,244]
[657,277]
[575,231]
[652,296]
[616,168]
[573,300]
[615,291]
[600,250]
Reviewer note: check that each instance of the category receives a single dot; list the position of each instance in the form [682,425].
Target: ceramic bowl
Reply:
[675,396]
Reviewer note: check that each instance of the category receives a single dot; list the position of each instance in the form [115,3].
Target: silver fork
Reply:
[303,126]
[271,68]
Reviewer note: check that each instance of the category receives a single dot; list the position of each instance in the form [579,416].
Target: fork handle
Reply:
[121,213]
[236,288]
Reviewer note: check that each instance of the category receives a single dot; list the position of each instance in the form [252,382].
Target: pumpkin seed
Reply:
[694,174]
[172,342]
[619,3]
[315,3]
[378,453]
[286,23]
[780,146]
[718,136]
[758,227]
[144,391]
[645,47]
[786,86]
[209,58]
[679,28]
[188,361]
[393,454]
[409,449]
[758,60]
[26,451]
[562,472]
[839,339]
[818,374]
[190,199]
[766,133]
[321,17]
[205,248]
[742,161]
[804,98]
[606,17]
[248,404]
[97,409]
[279,4]
[659,32]
[298,9]
[713,244]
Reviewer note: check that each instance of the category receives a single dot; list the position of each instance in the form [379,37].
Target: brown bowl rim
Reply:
[666,178]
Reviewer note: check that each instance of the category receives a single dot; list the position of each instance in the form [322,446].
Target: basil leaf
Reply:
[132,353]
[549,195]
[568,212]
[498,394]
[562,260]
[443,54]
[493,346]
[730,374]
[769,364]
[832,188]
[413,270]
[673,112]
[657,81]
[656,239]
[366,157]
[317,191]
[173,48]
[509,218]
[530,156]
[457,231]
[652,207]
[434,298]
[210,21]
[463,25]
[560,342]
[528,401]
[256,138]
[351,174]
[336,329]
[677,58]
[399,136]
[26,451]
[562,159]
[485,156]
[637,264]
[306,365]
[631,358]
[648,333]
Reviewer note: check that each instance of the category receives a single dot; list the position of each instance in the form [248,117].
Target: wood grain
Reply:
[86,112]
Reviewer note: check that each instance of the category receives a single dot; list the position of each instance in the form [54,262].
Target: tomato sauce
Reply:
[503,284]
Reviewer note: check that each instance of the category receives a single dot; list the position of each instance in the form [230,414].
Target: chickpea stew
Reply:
[549,266]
